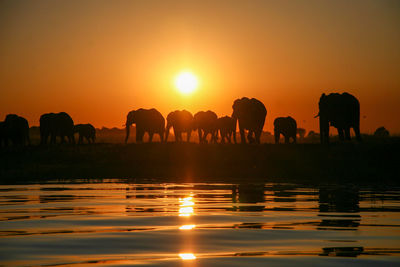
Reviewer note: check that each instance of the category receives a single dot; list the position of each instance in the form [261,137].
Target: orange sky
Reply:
[97,60]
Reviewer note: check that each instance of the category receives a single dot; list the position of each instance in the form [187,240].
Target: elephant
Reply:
[86,131]
[15,129]
[146,120]
[182,122]
[286,126]
[56,124]
[381,132]
[226,127]
[341,111]
[206,123]
[250,113]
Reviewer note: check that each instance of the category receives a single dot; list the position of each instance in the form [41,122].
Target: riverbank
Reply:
[366,162]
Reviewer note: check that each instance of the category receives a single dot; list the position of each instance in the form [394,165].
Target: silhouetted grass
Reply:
[370,161]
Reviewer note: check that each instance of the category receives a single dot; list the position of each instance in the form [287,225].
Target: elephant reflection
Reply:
[206,123]
[250,113]
[248,194]
[146,120]
[339,200]
[227,128]
[286,126]
[56,124]
[182,122]
[341,111]
[86,131]
[15,129]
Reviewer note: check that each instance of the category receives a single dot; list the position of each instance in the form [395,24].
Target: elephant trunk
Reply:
[235,119]
[324,129]
[128,126]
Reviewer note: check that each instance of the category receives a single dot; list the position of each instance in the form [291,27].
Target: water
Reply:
[118,223]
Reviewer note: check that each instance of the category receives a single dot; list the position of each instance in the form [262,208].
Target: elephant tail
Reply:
[316,116]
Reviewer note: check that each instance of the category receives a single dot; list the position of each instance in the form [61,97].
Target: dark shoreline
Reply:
[301,163]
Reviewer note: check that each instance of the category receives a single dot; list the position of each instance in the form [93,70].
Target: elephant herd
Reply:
[339,110]
[52,125]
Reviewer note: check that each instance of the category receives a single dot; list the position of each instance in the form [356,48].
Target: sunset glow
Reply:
[186,82]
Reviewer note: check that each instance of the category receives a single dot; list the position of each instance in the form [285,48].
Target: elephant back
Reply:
[341,110]
[150,120]
[250,113]
[226,123]
[64,124]
[182,120]
[206,120]
[286,125]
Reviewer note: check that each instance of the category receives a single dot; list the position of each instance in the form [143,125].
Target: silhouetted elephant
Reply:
[381,132]
[301,132]
[14,129]
[146,120]
[251,115]
[182,122]
[227,128]
[86,131]
[206,123]
[286,126]
[341,111]
[56,124]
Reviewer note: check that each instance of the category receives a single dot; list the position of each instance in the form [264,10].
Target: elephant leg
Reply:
[139,135]
[223,135]
[80,139]
[200,135]
[178,137]
[347,133]
[294,139]
[357,132]
[341,134]
[286,139]
[242,136]
[258,136]
[161,134]
[151,137]
[189,133]
[250,137]
[277,136]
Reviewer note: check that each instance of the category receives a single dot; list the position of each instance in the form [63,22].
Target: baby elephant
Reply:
[286,126]
[85,131]
[227,129]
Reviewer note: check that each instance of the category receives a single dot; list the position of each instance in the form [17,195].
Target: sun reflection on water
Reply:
[187,256]
[186,206]
[187,227]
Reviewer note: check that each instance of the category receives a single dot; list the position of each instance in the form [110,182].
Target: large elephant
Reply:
[146,120]
[86,131]
[182,122]
[251,115]
[286,126]
[14,129]
[227,129]
[341,111]
[56,125]
[206,123]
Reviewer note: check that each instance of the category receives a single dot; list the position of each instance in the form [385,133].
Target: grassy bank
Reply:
[366,162]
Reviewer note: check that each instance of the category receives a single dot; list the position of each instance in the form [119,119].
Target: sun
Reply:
[186,82]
